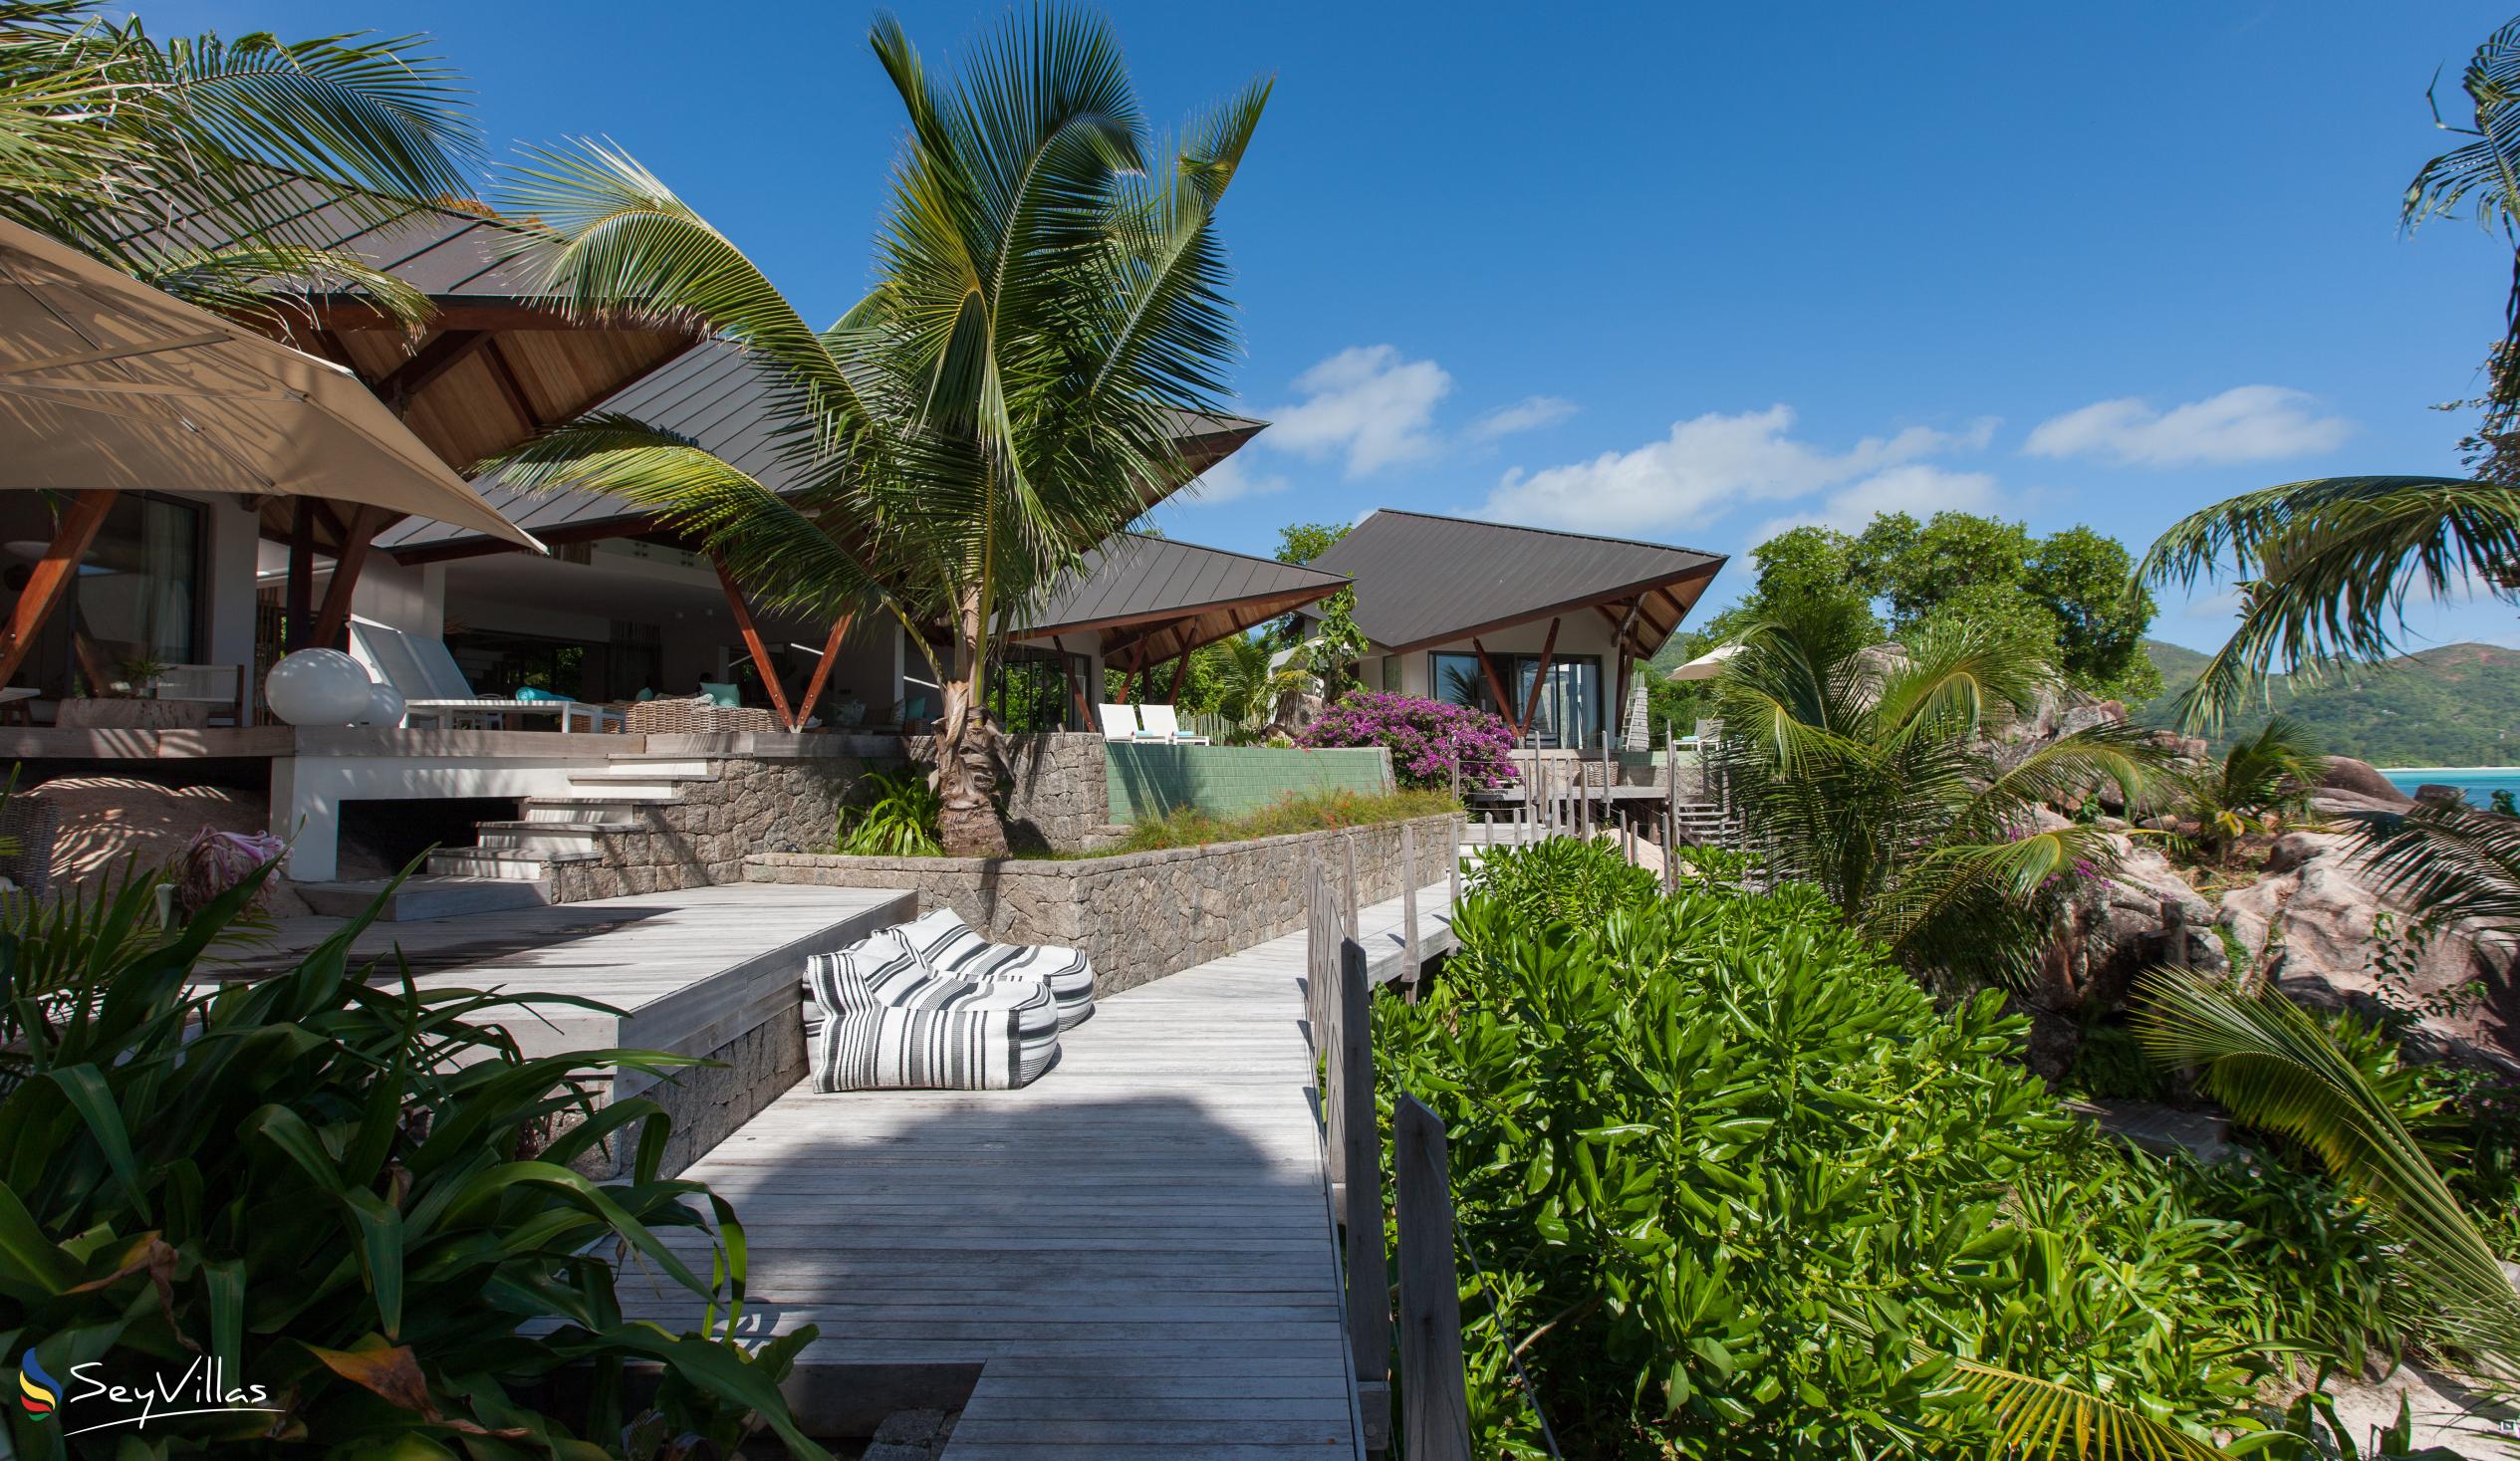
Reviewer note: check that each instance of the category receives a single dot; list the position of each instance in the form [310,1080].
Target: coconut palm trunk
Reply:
[1050,299]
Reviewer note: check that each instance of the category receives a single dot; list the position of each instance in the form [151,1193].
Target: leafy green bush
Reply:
[1742,1190]
[900,821]
[351,1196]
[2110,1062]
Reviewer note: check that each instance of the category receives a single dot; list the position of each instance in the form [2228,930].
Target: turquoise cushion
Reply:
[721,694]
[646,695]
[530,692]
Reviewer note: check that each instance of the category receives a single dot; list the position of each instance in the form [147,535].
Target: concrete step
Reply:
[591,809]
[678,767]
[660,794]
[546,839]
[506,867]
[427,897]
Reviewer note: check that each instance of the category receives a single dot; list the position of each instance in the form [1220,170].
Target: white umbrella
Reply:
[107,385]
[1707,665]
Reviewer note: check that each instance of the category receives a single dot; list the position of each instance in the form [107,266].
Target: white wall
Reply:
[409,599]
[230,527]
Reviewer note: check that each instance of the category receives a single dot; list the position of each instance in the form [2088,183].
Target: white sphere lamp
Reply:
[317,688]
[384,707]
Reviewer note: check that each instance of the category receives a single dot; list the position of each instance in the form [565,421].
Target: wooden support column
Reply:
[821,670]
[331,622]
[752,641]
[299,603]
[1539,680]
[1180,669]
[48,582]
[1075,684]
[1495,682]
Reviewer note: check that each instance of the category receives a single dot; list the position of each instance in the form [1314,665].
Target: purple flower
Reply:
[1426,738]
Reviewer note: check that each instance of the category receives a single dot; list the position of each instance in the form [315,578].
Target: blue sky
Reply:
[1681,271]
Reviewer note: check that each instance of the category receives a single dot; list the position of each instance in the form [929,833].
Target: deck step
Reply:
[545,838]
[676,768]
[427,897]
[491,863]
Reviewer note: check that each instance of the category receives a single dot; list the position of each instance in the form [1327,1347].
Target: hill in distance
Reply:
[2458,705]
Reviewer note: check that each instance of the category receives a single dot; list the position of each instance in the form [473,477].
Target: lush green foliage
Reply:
[349,1194]
[1872,777]
[1740,1189]
[2449,706]
[2062,597]
[1050,297]
[897,821]
[2263,778]
[1192,827]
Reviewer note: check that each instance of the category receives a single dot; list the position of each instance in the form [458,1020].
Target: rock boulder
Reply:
[2345,774]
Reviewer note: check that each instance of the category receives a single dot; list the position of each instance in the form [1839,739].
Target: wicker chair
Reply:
[31,827]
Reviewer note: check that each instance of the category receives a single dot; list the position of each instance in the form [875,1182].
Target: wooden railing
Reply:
[1339,990]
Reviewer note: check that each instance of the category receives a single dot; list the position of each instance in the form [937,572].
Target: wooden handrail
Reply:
[1368,1281]
[1435,1390]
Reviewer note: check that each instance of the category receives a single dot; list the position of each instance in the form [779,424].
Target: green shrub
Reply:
[2110,1061]
[900,822]
[349,1196]
[1743,1191]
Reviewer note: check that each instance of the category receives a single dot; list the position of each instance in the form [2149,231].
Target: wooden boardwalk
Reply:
[1134,1254]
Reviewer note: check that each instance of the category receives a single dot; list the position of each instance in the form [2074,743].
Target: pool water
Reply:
[2478,782]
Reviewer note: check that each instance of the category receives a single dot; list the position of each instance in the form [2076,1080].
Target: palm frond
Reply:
[2335,561]
[269,284]
[2040,1418]
[2486,170]
[2275,1068]
[2455,862]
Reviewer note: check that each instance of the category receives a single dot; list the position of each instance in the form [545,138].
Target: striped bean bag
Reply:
[851,995]
[949,946]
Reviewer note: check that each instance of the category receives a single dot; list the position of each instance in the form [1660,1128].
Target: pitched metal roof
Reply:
[1154,597]
[1423,580]
[715,396]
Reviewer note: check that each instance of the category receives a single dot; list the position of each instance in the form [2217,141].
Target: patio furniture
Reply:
[880,1017]
[222,686]
[17,705]
[1160,724]
[950,947]
[697,717]
[29,829]
[1120,723]
[433,686]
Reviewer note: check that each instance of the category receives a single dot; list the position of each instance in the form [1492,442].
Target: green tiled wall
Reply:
[1149,782]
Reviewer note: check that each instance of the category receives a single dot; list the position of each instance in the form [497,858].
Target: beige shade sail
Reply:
[107,385]
[1705,667]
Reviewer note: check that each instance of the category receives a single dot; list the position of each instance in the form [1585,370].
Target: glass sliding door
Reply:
[1570,705]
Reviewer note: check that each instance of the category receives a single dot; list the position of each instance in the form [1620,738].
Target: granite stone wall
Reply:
[755,805]
[1137,915]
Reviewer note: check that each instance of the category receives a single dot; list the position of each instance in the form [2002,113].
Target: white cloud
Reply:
[1919,489]
[1703,468]
[2246,423]
[1366,402]
[1228,481]
[1528,414]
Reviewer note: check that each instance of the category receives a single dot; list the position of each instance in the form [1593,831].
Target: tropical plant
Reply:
[2267,776]
[898,820]
[2452,861]
[1878,777]
[2327,564]
[1427,739]
[1250,682]
[360,1201]
[106,133]
[2273,1066]
[1737,1187]
[1050,297]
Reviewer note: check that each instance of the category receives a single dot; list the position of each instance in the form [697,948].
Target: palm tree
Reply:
[2333,560]
[2275,1068]
[106,132]
[1872,774]
[1049,294]
[2267,775]
[1250,682]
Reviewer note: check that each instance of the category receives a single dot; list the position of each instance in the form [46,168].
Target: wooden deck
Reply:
[1134,1254]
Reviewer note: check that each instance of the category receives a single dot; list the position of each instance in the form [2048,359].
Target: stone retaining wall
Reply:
[1137,915]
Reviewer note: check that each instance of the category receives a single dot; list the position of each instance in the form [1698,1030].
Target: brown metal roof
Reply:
[1155,598]
[713,395]
[498,364]
[1423,580]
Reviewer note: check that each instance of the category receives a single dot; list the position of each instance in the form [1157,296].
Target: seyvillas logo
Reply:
[201,1388]
[37,1392]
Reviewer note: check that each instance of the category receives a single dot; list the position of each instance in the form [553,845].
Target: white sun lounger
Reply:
[1162,725]
[433,686]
